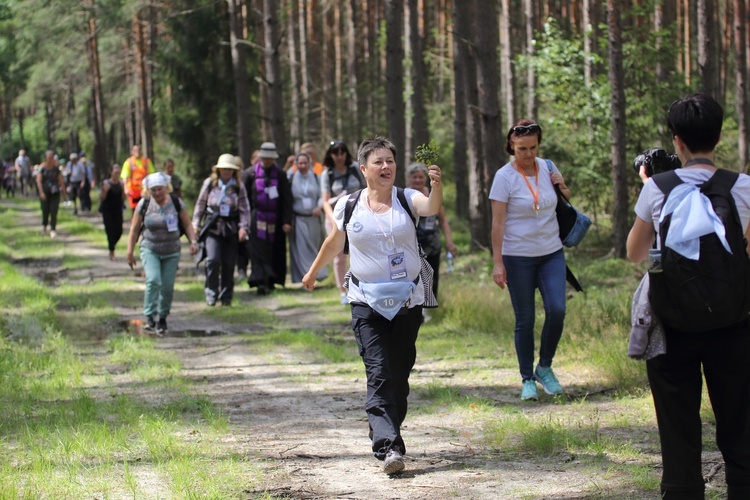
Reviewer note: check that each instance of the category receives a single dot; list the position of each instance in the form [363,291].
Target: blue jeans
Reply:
[160,275]
[525,275]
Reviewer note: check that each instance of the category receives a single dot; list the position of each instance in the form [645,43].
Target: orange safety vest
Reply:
[137,174]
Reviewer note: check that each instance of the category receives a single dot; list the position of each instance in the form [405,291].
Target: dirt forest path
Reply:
[303,421]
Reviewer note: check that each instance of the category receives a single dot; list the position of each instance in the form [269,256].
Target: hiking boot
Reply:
[150,324]
[528,393]
[162,327]
[394,462]
[547,378]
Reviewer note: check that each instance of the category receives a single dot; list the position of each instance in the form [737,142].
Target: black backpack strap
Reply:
[144,207]
[722,182]
[348,210]
[723,179]
[666,182]
[401,196]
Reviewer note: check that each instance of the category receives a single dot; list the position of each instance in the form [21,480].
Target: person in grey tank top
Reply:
[156,214]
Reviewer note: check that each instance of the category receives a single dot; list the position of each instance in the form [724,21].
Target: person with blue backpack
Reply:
[388,285]
[692,225]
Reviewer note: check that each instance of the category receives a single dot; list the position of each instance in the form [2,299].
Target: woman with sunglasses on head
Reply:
[341,178]
[528,253]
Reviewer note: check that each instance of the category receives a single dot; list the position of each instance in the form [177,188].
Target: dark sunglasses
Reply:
[526,129]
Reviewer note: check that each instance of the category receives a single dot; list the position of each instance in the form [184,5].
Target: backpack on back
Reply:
[713,291]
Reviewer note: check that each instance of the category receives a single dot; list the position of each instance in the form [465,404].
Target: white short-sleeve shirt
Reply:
[528,232]
[373,238]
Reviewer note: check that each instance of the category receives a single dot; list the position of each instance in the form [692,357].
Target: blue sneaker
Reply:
[529,391]
[547,378]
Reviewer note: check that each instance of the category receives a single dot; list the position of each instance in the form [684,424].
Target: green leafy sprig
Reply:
[427,153]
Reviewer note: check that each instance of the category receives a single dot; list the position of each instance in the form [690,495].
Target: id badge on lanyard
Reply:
[171,220]
[397,265]
[224,210]
[273,192]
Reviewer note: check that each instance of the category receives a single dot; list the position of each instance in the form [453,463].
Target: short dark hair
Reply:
[513,133]
[696,120]
[370,145]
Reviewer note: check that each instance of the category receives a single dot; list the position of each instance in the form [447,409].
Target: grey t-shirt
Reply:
[156,236]
[648,206]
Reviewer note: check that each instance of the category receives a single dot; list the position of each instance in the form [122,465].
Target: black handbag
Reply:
[573,224]
[573,227]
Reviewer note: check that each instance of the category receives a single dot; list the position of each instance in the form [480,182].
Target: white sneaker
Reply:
[53,234]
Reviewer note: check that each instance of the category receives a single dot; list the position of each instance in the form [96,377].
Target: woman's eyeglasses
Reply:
[526,129]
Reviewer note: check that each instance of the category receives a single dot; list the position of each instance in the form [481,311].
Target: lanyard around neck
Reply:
[534,194]
[377,221]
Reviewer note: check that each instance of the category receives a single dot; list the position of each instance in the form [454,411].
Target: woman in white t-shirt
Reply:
[528,253]
[385,290]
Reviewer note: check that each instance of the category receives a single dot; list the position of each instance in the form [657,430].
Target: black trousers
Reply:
[50,206]
[112,226]
[221,257]
[388,350]
[676,385]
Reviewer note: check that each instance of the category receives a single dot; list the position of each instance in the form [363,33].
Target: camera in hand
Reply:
[656,161]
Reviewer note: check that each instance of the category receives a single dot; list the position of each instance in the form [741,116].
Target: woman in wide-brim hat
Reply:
[221,217]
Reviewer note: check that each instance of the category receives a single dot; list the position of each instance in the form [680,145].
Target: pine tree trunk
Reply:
[101,160]
[352,74]
[619,167]
[140,26]
[461,62]
[273,75]
[304,70]
[708,49]
[420,128]
[530,76]
[239,72]
[741,83]
[488,81]
[291,38]
[506,58]
[394,74]
[21,137]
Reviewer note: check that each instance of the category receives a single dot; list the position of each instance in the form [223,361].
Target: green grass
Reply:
[75,425]
[80,425]
[321,347]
